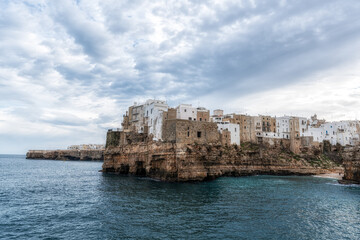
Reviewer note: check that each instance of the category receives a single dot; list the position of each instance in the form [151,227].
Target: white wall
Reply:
[342,132]
[234,130]
[186,112]
[283,127]
[153,112]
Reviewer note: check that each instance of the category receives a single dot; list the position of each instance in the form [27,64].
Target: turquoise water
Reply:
[42,199]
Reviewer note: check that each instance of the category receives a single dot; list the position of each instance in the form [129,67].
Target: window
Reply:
[184,110]
[190,118]
[235,129]
[199,134]
[200,119]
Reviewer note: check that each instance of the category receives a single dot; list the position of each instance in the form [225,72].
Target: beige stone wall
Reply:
[203,116]
[185,131]
[247,133]
[171,113]
[268,124]
[276,142]
[225,137]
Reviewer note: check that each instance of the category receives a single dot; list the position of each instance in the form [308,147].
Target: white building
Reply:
[186,112]
[153,116]
[342,132]
[316,133]
[283,127]
[269,135]
[234,130]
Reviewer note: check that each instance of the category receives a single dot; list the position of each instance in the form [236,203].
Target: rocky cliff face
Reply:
[351,161]
[82,155]
[195,162]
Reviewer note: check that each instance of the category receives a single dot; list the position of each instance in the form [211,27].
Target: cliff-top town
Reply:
[149,118]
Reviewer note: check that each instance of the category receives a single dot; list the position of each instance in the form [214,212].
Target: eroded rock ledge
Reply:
[351,161]
[198,162]
[75,155]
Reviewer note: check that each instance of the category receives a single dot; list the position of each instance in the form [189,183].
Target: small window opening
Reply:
[199,134]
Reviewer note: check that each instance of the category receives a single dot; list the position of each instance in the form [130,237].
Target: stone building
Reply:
[218,112]
[315,122]
[188,132]
[203,114]
[146,118]
[246,124]
[136,117]
[268,124]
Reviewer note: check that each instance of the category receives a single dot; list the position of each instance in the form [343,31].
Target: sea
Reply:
[47,199]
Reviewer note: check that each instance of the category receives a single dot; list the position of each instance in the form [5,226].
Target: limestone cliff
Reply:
[81,155]
[198,162]
[351,160]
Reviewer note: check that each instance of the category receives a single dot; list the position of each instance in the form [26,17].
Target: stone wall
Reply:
[112,138]
[186,131]
[203,116]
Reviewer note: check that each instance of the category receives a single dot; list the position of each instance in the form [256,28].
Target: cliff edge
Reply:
[198,162]
[75,155]
[351,161]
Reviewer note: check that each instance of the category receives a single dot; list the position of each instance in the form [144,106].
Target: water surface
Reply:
[44,199]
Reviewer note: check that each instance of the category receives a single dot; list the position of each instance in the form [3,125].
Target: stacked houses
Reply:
[150,118]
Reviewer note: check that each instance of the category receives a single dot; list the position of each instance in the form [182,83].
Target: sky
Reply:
[69,69]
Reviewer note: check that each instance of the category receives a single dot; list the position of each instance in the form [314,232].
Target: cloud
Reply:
[71,68]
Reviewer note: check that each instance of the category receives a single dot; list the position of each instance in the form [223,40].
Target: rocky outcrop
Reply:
[198,162]
[351,161]
[80,155]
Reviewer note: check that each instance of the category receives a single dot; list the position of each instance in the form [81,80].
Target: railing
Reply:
[114,130]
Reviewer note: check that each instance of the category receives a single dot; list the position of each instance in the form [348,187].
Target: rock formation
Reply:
[197,162]
[82,155]
[351,161]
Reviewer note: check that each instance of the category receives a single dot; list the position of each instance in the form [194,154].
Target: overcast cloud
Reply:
[69,69]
